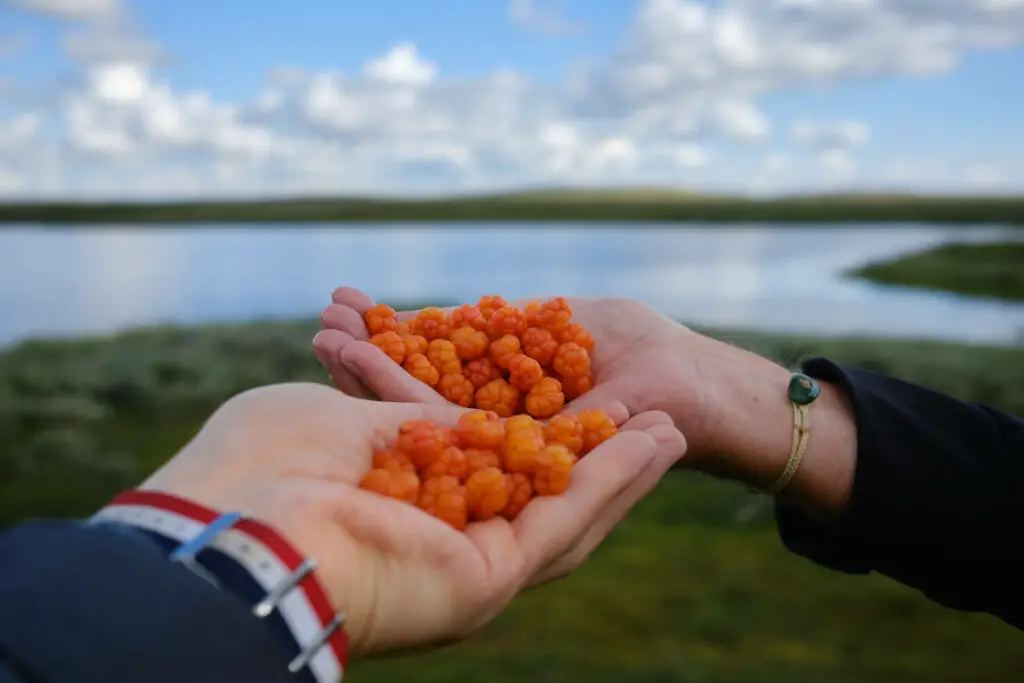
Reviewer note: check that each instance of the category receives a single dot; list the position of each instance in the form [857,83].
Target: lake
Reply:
[71,281]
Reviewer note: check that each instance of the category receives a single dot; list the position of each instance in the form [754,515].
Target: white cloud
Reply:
[68,9]
[402,65]
[543,17]
[830,135]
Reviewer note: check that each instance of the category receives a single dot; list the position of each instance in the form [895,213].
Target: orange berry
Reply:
[420,367]
[506,320]
[597,428]
[487,493]
[577,334]
[414,343]
[455,388]
[400,485]
[469,316]
[534,312]
[571,360]
[452,463]
[433,323]
[469,343]
[566,430]
[443,355]
[391,344]
[539,344]
[555,314]
[498,396]
[553,469]
[480,459]
[444,498]
[422,442]
[380,318]
[502,350]
[387,459]
[520,491]
[523,424]
[574,387]
[480,429]
[521,451]
[481,371]
[489,304]
[545,398]
[524,372]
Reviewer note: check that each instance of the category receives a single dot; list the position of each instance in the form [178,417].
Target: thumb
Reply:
[385,378]
[607,397]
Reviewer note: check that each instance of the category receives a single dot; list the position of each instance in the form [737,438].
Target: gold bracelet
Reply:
[802,392]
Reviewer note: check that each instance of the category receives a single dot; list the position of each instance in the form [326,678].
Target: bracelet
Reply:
[248,558]
[803,390]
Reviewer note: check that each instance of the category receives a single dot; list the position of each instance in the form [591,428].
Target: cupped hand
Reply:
[641,361]
[292,456]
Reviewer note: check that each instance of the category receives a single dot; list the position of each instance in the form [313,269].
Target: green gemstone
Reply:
[803,389]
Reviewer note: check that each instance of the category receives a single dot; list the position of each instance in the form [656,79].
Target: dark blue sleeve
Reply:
[86,604]
[938,496]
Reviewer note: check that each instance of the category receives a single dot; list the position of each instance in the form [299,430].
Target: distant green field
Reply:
[693,588]
[992,270]
[599,205]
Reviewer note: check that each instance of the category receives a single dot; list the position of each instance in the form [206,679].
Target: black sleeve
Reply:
[85,604]
[937,500]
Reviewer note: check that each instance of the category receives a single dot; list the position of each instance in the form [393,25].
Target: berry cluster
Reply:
[492,356]
[485,466]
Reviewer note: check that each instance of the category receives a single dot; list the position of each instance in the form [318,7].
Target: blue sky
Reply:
[150,98]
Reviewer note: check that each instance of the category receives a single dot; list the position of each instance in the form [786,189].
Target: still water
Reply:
[60,282]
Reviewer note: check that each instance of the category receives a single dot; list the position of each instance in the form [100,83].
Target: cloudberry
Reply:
[506,320]
[452,463]
[404,486]
[444,498]
[502,350]
[486,493]
[521,452]
[422,442]
[443,355]
[571,360]
[523,424]
[545,398]
[380,318]
[391,344]
[524,372]
[539,344]
[469,343]
[480,429]
[414,343]
[433,323]
[498,396]
[553,469]
[387,459]
[566,430]
[597,428]
[533,311]
[520,491]
[577,334]
[555,314]
[455,388]
[468,316]
[480,459]
[420,367]
[574,387]
[489,304]
[481,371]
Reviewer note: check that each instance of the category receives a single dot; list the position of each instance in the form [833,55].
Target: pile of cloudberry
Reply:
[485,466]
[492,356]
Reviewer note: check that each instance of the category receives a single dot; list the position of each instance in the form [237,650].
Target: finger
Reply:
[549,526]
[344,319]
[356,299]
[671,446]
[327,345]
[606,397]
[384,377]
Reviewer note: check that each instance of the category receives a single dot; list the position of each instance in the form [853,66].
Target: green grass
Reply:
[636,204]
[991,270]
[693,588]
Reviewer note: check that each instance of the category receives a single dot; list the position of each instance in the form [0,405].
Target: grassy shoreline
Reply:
[693,588]
[592,207]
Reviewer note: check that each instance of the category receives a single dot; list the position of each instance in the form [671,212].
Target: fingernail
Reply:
[317,336]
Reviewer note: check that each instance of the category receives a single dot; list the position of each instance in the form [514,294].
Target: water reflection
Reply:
[97,280]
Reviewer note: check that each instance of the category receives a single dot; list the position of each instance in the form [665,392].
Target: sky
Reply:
[144,99]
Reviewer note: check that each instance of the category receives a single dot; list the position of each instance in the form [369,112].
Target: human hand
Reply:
[641,361]
[293,455]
